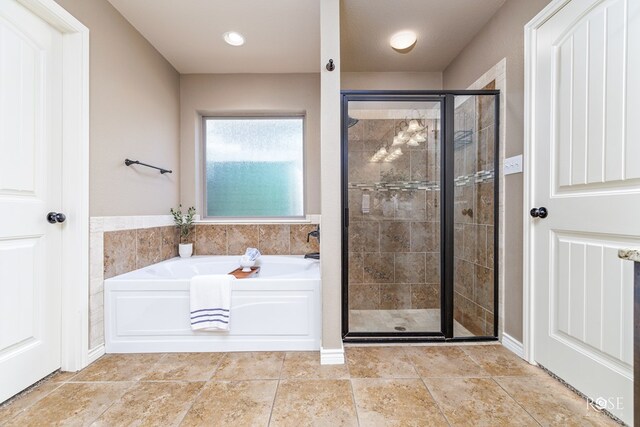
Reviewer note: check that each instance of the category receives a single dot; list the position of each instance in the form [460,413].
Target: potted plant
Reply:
[184,222]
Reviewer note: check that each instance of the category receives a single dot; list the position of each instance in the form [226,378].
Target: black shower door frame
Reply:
[447,186]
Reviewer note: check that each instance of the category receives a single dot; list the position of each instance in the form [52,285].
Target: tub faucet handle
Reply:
[315,233]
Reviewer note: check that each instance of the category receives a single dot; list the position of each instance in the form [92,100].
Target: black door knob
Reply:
[55,217]
[539,212]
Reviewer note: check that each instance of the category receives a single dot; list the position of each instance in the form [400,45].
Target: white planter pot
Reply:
[185,250]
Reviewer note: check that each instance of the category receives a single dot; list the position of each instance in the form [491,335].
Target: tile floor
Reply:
[379,386]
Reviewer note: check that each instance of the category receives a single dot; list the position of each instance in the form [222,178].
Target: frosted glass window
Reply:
[254,167]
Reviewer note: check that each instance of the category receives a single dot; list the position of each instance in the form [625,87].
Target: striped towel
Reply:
[210,301]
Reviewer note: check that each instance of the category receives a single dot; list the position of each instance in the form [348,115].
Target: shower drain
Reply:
[400,328]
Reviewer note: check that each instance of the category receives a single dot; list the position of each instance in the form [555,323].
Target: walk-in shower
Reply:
[419,227]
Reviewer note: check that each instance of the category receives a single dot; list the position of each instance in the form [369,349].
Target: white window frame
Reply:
[304,218]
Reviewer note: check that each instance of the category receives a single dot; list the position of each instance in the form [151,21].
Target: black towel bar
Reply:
[136,162]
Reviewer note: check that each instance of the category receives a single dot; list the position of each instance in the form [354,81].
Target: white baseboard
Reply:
[513,345]
[95,354]
[332,356]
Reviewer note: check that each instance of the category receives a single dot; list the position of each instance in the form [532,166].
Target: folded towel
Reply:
[210,301]
[252,254]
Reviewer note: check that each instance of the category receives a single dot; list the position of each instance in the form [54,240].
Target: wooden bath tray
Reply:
[239,274]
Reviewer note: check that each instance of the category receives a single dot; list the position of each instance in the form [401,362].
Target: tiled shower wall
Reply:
[474,231]
[122,244]
[394,250]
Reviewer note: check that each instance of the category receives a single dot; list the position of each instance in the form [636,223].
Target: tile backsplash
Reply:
[270,239]
[128,250]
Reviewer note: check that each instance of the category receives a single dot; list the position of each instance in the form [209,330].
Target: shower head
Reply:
[351,121]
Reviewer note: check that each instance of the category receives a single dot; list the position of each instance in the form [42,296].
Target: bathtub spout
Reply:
[312,255]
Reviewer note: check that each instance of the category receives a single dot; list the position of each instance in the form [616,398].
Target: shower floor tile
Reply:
[439,384]
[407,320]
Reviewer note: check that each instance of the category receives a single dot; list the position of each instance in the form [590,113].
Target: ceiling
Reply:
[283,36]
[444,28]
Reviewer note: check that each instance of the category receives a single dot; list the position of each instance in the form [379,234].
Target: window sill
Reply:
[309,219]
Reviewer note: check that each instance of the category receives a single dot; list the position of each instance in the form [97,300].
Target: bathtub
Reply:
[147,310]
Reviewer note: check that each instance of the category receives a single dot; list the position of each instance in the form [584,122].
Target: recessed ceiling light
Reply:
[403,40]
[233,38]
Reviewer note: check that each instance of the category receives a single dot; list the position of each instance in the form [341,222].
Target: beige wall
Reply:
[503,37]
[211,94]
[390,81]
[134,102]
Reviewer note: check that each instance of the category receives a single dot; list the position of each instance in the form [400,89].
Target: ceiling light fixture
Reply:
[233,38]
[403,40]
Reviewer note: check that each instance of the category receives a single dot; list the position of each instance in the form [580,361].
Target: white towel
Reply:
[210,301]
[252,254]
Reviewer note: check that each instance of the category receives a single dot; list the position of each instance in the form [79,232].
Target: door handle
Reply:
[540,212]
[56,217]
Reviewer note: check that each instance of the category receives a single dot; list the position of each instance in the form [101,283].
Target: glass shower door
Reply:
[420,186]
[474,215]
[392,158]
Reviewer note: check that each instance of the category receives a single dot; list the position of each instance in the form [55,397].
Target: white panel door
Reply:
[30,186]
[586,173]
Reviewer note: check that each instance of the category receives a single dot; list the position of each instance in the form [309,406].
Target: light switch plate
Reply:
[513,165]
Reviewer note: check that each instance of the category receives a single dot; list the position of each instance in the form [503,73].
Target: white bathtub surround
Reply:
[210,301]
[185,250]
[147,310]
[116,223]
[100,225]
[308,219]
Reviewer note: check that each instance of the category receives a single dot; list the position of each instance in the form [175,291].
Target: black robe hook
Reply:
[330,65]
